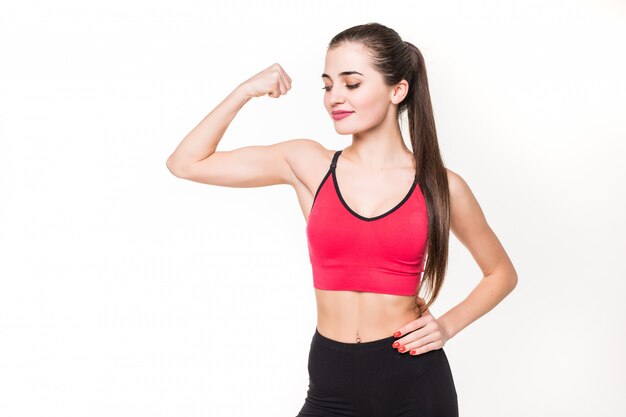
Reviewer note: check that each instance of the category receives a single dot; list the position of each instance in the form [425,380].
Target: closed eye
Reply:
[350,86]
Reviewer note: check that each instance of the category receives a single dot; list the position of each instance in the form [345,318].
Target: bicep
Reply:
[248,166]
[469,225]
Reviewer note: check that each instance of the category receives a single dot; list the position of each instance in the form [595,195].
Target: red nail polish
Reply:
[396,344]
[402,349]
[412,352]
[396,334]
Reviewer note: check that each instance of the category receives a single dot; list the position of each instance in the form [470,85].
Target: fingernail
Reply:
[396,334]
[412,352]
[402,349]
[396,344]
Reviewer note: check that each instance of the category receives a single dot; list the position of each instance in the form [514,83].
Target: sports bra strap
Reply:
[333,164]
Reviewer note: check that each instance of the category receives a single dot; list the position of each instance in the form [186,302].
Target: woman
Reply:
[374,210]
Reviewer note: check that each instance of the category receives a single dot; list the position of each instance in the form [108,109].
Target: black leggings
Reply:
[372,379]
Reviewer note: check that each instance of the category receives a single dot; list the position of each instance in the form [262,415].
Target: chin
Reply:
[344,131]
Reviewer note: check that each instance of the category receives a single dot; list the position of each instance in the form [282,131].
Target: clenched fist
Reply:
[272,81]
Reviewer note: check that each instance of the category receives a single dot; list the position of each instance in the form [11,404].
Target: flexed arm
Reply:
[196,158]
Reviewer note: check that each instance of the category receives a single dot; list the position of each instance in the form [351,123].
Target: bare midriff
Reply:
[356,317]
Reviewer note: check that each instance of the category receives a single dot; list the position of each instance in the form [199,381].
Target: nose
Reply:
[335,97]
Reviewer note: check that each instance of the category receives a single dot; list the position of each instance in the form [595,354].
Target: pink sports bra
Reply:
[381,254]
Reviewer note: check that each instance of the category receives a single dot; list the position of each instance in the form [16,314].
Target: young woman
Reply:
[378,220]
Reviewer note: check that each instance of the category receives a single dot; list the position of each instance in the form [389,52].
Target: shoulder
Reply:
[456,183]
[461,195]
[306,157]
[465,211]
[296,147]
[303,152]
[304,145]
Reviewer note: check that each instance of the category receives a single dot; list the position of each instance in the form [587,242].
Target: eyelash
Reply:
[353,86]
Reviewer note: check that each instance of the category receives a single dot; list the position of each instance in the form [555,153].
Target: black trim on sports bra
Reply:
[330,168]
[333,165]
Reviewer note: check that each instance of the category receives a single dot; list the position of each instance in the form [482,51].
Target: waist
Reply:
[340,314]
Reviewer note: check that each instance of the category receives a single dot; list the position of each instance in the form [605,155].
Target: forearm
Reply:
[202,141]
[485,296]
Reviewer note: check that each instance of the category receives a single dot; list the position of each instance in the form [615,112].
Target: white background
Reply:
[126,291]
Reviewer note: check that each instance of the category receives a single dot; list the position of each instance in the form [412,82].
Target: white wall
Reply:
[126,291]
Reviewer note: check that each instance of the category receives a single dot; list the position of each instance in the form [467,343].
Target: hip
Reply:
[369,364]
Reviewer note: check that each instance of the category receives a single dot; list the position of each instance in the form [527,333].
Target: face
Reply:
[364,93]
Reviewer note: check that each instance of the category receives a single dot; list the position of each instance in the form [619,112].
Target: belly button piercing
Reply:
[358,339]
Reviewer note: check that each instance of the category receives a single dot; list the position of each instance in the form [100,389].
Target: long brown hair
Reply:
[396,60]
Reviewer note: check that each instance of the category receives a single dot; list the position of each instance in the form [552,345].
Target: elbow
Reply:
[513,279]
[507,278]
[173,167]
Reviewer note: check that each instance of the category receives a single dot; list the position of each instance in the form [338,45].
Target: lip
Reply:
[341,114]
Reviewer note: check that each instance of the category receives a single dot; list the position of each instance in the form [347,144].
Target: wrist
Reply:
[447,326]
[242,93]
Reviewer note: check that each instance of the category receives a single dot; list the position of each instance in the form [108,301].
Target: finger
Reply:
[274,90]
[287,80]
[423,341]
[278,81]
[409,340]
[284,74]
[413,325]
[282,86]
[426,348]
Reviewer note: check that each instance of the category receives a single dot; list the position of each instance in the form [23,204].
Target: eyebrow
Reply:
[342,74]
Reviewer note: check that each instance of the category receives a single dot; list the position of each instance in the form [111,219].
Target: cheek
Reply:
[371,102]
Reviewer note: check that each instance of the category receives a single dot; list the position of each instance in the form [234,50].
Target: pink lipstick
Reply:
[341,114]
